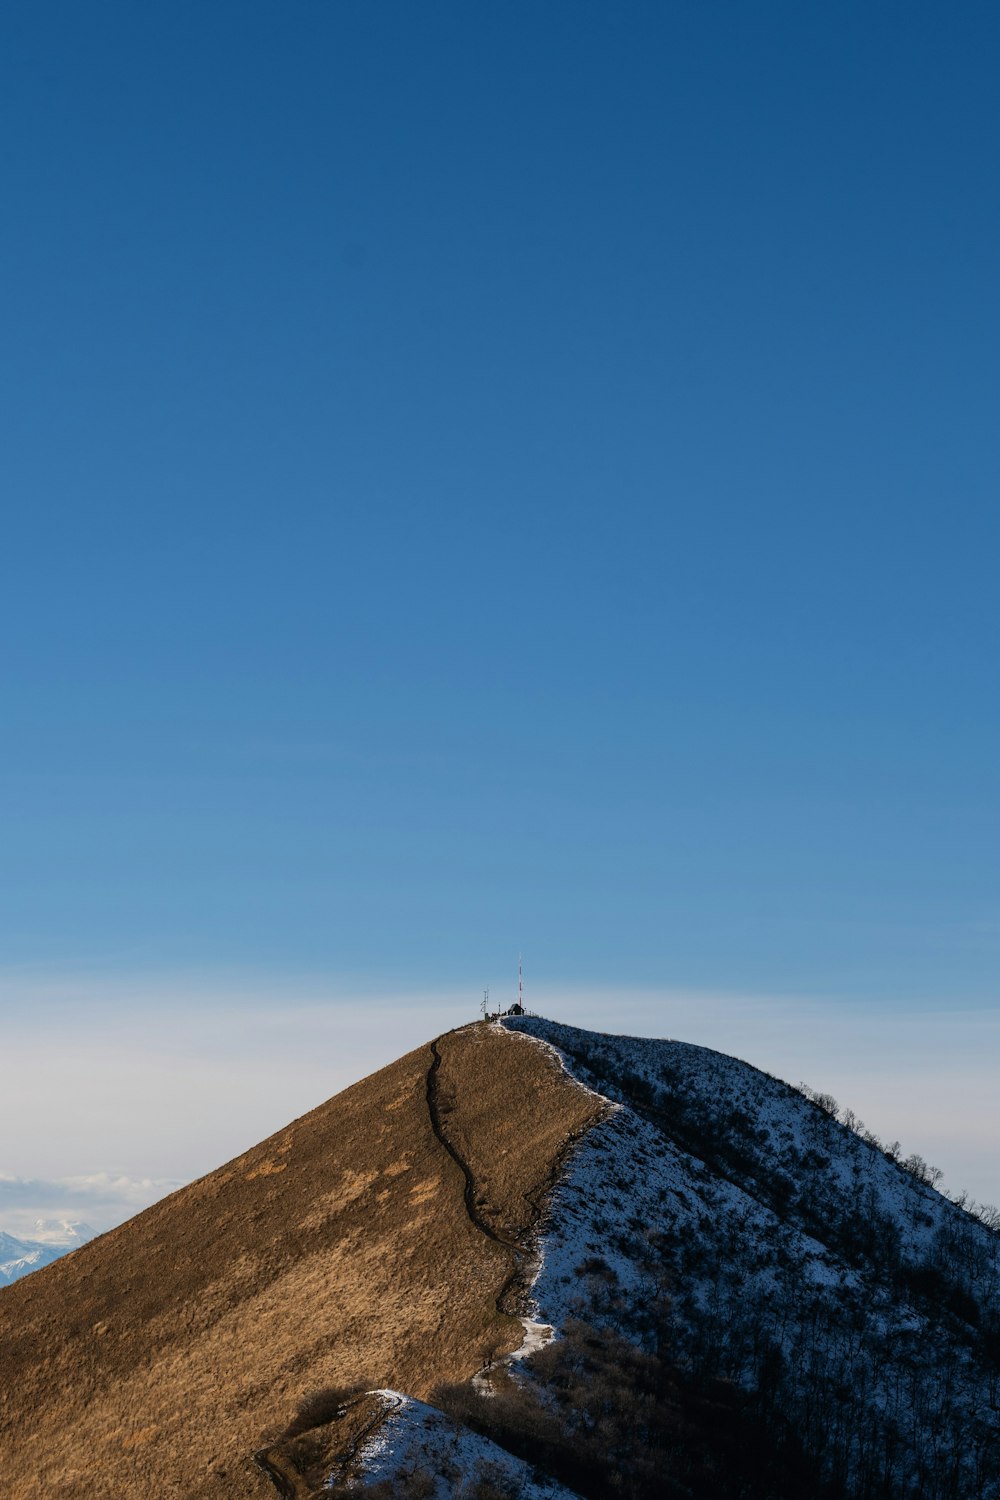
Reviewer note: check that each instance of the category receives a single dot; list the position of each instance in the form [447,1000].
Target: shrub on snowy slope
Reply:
[612,1421]
[844,1296]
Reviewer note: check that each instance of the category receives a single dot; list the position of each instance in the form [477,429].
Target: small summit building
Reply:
[517,1009]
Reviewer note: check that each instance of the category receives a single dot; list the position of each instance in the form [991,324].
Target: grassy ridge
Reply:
[339,1252]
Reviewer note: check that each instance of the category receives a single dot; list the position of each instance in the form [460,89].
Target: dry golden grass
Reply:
[157,1359]
[502,1132]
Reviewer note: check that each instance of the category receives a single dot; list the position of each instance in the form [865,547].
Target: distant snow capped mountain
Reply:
[65,1232]
[53,1238]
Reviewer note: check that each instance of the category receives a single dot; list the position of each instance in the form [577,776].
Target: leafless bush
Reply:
[490,1483]
[415,1484]
[318,1407]
[922,1170]
[826,1102]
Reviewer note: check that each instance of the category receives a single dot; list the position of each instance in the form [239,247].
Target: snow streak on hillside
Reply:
[720,1212]
[421,1449]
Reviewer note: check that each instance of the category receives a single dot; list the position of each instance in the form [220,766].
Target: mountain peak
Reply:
[341,1250]
[65,1232]
[533,1257]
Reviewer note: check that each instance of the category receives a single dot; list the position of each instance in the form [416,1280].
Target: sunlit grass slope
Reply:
[158,1358]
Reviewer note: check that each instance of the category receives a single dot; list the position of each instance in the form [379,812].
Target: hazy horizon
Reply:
[147,1089]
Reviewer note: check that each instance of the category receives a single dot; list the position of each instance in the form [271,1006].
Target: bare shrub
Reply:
[316,1408]
[414,1484]
[491,1483]
[988,1214]
[611,1421]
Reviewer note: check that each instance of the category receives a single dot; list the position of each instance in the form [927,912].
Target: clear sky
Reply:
[480,478]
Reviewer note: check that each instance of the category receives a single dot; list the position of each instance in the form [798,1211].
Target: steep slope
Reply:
[418,1449]
[723,1221]
[750,1302]
[374,1242]
[732,1296]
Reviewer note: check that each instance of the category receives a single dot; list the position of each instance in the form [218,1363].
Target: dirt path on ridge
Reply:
[471,1190]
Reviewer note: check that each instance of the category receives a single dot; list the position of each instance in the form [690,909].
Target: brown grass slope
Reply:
[157,1359]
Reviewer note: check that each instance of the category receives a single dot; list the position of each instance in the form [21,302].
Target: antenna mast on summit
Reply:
[520,984]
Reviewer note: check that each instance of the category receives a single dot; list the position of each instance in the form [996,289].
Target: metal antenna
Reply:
[520,984]
[486,1001]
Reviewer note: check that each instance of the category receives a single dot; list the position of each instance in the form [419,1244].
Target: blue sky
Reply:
[481,478]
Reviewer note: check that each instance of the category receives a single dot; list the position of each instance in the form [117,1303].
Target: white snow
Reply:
[783,1229]
[416,1438]
[52,1239]
[536,1336]
[68,1233]
[712,1197]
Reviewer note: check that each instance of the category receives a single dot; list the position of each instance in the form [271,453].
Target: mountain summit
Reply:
[524,1260]
[359,1246]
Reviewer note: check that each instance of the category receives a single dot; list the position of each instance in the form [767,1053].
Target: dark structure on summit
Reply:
[517,1009]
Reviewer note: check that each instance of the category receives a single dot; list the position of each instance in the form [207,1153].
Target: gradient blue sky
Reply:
[497,477]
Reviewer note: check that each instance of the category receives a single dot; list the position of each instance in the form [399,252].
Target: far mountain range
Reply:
[50,1239]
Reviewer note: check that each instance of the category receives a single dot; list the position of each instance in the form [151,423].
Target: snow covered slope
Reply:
[418,1448]
[720,1213]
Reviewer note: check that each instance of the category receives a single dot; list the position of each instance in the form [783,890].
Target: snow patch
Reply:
[416,1438]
